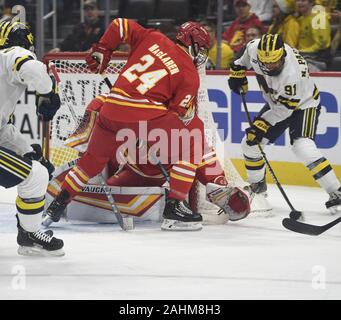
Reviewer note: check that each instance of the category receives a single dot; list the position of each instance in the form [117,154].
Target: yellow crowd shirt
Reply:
[289,30]
[227,55]
[328,4]
[314,33]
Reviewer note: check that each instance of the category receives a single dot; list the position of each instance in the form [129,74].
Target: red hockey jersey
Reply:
[158,77]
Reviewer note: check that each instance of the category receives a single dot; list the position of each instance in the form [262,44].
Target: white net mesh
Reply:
[80,86]
[259,205]
[212,137]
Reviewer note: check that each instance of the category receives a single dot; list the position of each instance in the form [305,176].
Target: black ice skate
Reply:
[38,243]
[178,216]
[334,202]
[56,209]
[260,187]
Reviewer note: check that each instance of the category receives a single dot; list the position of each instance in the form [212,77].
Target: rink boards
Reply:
[230,118]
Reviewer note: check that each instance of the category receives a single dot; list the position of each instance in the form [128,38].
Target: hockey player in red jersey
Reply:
[136,174]
[209,171]
[158,85]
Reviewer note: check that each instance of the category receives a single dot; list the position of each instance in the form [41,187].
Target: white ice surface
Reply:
[252,259]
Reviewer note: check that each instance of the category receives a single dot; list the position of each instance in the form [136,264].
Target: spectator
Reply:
[168,28]
[262,9]
[315,37]
[335,45]
[252,33]
[235,34]
[6,13]
[84,34]
[330,5]
[284,23]
[226,52]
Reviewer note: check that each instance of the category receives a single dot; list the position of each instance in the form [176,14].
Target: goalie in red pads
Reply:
[158,87]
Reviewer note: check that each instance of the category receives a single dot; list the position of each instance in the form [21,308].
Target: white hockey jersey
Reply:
[291,90]
[19,69]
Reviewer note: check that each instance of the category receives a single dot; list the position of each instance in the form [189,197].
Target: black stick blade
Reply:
[308,229]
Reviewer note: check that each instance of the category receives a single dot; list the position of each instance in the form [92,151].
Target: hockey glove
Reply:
[256,132]
[37,155]
[238,80]
[234,201]
[48,104]
[98,58]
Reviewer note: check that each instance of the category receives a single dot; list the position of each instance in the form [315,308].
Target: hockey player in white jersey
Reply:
[21,164]
[293,102]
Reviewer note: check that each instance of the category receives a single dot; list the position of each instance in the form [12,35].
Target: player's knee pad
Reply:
[232,200]
[31,197]
[305,149]
[35,185]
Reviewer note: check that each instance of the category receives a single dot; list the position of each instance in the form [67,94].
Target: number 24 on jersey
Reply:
[148,79]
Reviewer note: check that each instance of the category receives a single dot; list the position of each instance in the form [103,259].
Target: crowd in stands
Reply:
[303,24]
[86,33]
[311,26]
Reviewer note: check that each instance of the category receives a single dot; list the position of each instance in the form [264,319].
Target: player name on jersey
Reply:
[166,60]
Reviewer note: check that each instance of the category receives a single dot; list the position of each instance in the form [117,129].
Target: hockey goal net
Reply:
[80,86]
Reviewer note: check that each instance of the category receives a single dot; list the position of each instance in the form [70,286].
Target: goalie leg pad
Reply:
[232,200]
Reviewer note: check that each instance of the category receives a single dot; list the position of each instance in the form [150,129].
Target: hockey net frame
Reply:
[81,85]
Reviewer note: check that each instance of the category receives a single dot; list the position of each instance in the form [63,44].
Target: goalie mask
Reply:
[14,33]
[271,54]
[196,38]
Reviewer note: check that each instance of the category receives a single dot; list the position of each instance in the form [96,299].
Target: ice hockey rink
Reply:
[252,259]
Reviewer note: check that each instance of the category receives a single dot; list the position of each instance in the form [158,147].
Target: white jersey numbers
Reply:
[185,101]
[148,79]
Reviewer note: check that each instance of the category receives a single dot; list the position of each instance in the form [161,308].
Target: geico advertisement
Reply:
[226,107]
[228,112]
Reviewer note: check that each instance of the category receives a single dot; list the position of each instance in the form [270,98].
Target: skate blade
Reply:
[39,252]
[175,225]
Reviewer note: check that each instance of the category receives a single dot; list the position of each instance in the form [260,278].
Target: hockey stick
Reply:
[294,214]
[308,229]
[45,144]
[125,224]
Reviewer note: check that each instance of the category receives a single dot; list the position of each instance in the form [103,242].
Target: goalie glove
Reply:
[232,200]
[37,155]
[98,58]
[256,132]
[48,104]
[238,80]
